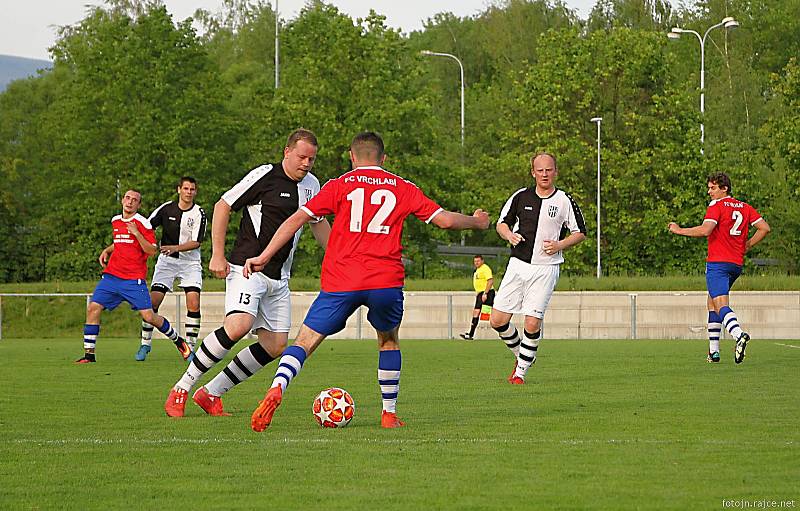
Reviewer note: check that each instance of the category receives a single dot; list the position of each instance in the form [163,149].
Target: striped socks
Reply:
[731,322]
[290,364]
[214,347]
[245,364]
[192,328]
[527,353]
[389,365]
[509,334]
[714,331]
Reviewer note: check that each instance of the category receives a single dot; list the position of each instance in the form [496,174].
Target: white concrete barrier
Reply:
[571,315]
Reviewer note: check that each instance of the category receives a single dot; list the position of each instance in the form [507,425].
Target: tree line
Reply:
[137,99]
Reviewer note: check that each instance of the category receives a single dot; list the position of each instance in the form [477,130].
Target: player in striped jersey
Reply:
[726,225]
[267,195]
[534,221]
[183,226]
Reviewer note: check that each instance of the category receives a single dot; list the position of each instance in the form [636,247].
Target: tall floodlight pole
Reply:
[598,120]
[277,47]
[461,67]
[674,34]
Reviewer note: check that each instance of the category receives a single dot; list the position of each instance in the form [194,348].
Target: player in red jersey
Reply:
[124,265]
[362,266]
[726,224]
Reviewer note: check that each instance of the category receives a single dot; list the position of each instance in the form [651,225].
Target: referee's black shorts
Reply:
[489,299]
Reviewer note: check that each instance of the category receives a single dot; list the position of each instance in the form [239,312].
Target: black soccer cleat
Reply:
[741,345]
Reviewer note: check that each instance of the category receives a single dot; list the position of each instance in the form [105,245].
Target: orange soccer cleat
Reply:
[262,416]
[516,380]
[389,420]
[176,402]
[183,348]
[212,405]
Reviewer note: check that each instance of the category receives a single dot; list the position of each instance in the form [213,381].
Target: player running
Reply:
[124,265]
[726,225]
[362,266]
[540,222]
[183,228]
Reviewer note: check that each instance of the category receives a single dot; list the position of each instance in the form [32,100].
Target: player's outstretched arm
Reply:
[281,237]
[219,227]
[699,231]
[762,229]
[456,221]
[321,231]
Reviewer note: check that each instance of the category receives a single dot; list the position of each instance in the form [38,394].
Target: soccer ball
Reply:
[333,408]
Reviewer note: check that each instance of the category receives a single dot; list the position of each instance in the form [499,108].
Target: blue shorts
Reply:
[111,291]
[329,312]
[720,278]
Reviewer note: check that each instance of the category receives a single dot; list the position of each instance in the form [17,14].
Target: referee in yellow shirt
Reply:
[483,283]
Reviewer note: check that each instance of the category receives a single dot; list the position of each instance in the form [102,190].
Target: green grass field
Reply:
[600,425]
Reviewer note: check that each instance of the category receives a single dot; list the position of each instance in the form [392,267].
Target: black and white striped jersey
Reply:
[268,197]
[179,226]
[538,219]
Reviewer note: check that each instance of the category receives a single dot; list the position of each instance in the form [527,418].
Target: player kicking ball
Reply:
[362,266]
[726,225]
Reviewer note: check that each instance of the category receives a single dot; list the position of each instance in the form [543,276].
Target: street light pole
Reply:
[674,34]
[598,120]
[277,46]
[461,67]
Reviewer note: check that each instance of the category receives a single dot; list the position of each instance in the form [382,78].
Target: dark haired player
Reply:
[726,224]
[183,226]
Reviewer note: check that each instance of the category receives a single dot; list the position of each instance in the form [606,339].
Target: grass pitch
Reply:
[600,425]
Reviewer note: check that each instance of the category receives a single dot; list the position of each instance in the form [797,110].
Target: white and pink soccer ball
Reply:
[333,408]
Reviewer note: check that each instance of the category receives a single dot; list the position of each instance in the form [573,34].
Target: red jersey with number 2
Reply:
[726,243]
[364,250]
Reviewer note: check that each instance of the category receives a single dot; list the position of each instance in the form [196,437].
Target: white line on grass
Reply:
[788,345]
[284,440]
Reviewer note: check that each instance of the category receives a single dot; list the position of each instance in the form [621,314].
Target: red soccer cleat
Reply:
[85,360]
[212,405]
[176,402]
[262,416]
[516,380]
[511,376]
[389,420]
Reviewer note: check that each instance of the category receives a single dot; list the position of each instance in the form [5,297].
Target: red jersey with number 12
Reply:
[370,205]
[128,260]
[727,242]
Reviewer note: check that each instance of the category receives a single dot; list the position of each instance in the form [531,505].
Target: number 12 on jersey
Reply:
[385,198]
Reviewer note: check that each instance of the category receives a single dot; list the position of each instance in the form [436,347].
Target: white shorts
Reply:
[526,288]
[168,269]
[268,301]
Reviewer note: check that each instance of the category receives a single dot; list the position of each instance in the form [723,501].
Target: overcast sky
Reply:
[28,27]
